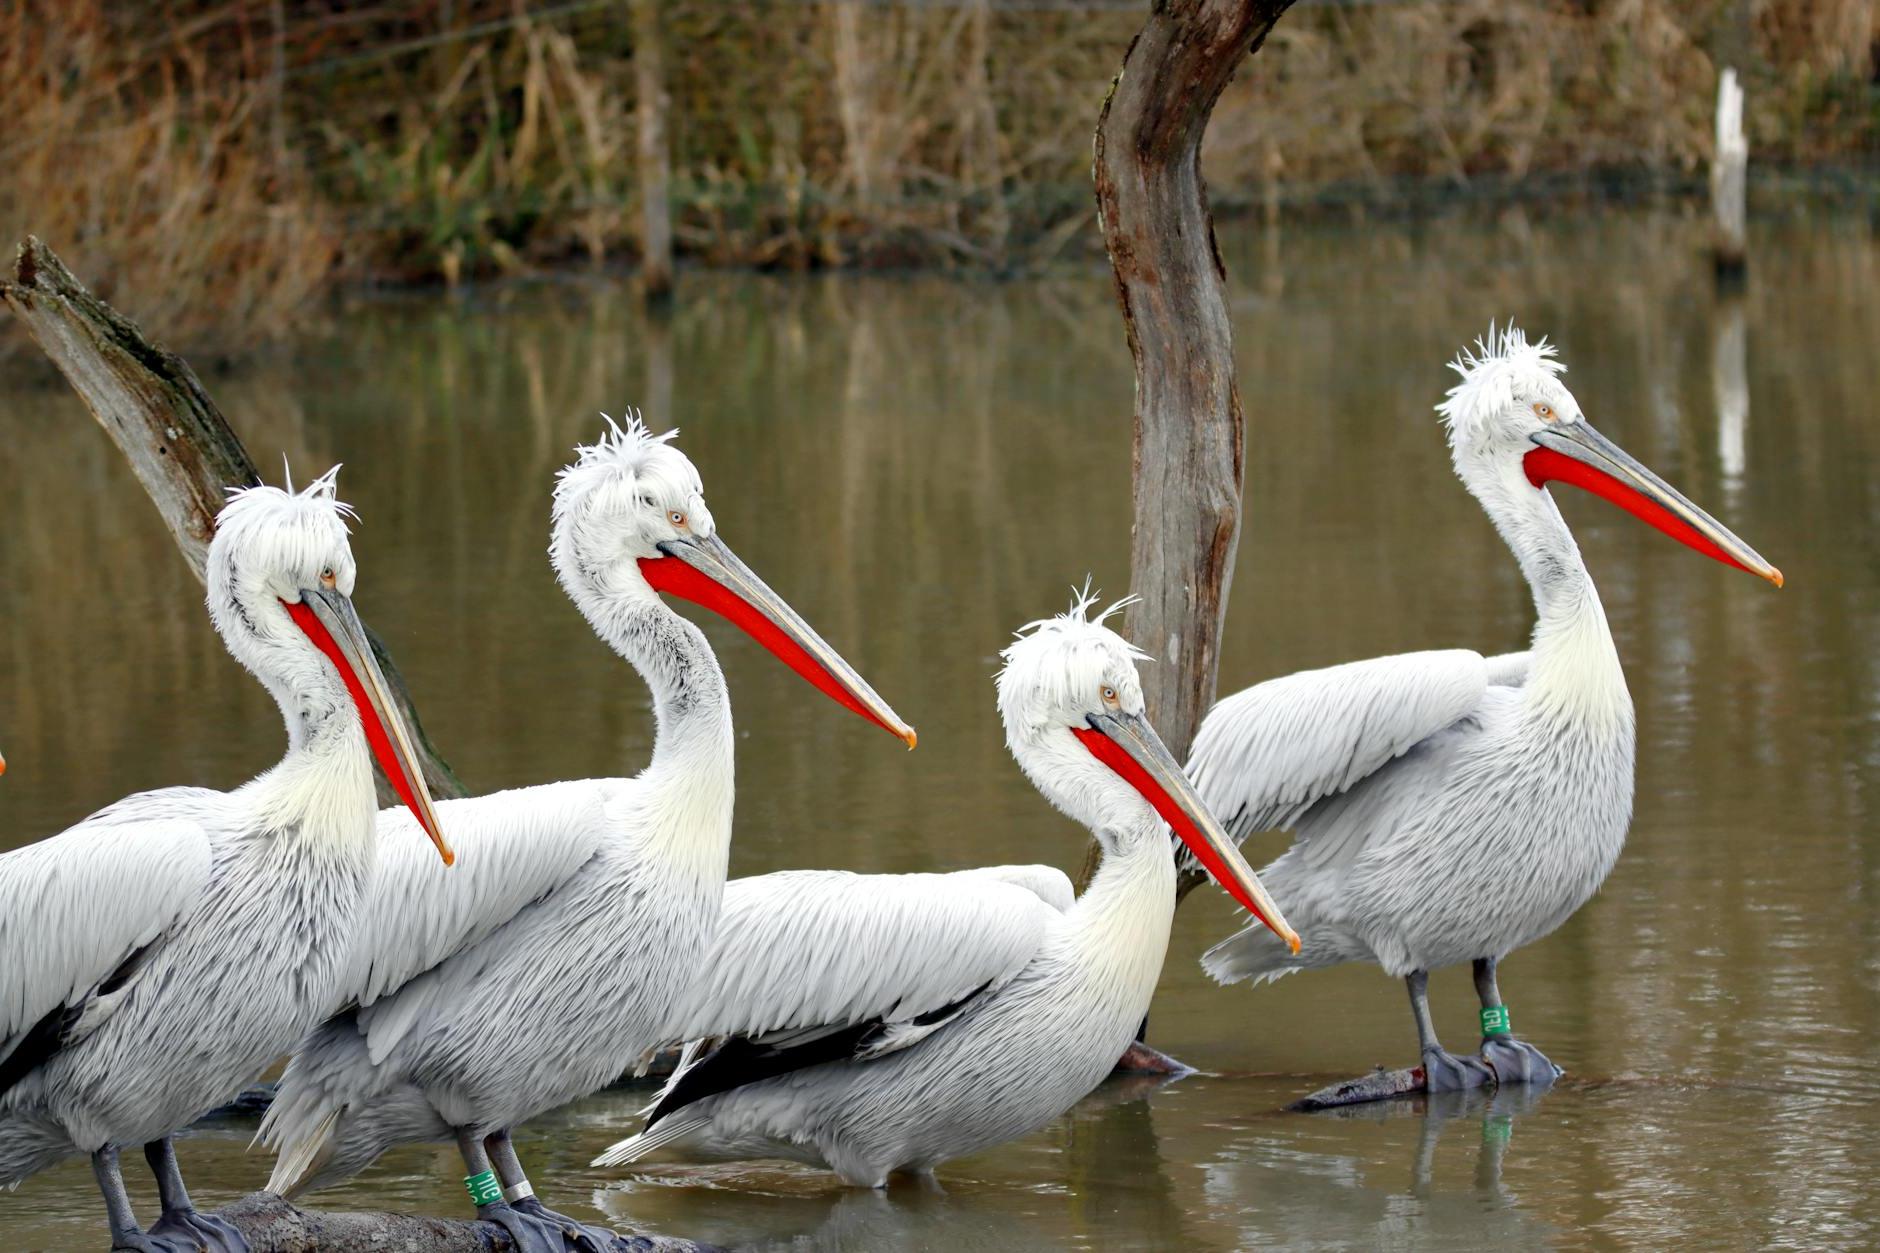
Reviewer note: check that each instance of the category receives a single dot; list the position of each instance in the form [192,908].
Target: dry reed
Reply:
[217,172]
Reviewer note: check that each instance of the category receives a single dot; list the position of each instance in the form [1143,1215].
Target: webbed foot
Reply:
[192,1231]
[184,1231]
[1443,1071]
[1516,1061]
[538,1229]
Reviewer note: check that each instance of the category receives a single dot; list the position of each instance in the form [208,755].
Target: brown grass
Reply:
[409,139]
[146,168]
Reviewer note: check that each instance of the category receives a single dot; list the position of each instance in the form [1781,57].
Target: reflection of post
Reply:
[1729,378]
[649,80]
[656,339]
[1729,171]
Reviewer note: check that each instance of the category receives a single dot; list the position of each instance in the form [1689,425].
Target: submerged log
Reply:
[272,1225]
[178,443]
[1379,1085]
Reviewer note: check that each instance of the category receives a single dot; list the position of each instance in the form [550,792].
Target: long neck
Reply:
[1575,669]
[323,787]
[691,774]
[1120,925]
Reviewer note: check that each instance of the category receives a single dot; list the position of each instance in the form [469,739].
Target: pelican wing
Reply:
[816,950]
[513,848]
[77,910]
[1265,755]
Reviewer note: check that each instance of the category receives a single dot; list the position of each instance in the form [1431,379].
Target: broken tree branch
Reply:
[155,410]
[1190,432]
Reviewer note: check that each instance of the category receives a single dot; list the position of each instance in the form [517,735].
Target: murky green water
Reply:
[921,464]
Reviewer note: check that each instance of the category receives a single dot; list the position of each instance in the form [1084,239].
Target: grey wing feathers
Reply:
[512,848]
[821,948]
[1265,755]
[74,907]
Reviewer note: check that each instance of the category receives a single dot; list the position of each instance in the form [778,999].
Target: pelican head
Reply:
[1073,712]
[280,578]
[1512,422]
[630,521]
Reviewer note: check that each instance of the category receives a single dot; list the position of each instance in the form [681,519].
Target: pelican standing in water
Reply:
[1449,807]
[895,1021]
[584,907]
[162,953]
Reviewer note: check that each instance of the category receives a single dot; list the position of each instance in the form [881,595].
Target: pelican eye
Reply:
[328,578]
[1545,410]
[1109,695]
[678,519]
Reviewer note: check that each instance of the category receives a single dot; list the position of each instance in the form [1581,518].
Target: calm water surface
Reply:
[921,464]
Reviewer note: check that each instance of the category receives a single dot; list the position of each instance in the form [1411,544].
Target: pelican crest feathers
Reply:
[1070,653]
[1498,365]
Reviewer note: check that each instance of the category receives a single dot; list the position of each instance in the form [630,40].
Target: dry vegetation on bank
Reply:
[214,163]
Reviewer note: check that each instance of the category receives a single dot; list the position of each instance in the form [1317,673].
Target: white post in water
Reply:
[1729,171]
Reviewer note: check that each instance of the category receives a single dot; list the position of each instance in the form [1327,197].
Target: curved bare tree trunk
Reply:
[180,446]
[1190,432]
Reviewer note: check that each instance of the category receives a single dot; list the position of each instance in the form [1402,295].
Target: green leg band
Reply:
[1496,1020]
[483,1188]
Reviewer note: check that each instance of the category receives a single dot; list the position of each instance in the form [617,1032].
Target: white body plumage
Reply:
[969,1008]
[166,950]
[556,959]
[1448,807]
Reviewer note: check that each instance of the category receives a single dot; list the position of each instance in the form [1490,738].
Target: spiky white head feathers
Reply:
[1508,389]
[622,495]
[268,539]
[1056,669]
[1057,673]
[269,544]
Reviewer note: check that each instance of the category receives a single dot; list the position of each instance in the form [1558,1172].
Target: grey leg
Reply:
[521,1197]
[125,1234]
[529,1233]
[1512,1060]
[1442,1071]
[180,1220]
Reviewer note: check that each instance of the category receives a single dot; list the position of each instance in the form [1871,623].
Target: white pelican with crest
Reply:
[162,953]
[887,1023]
[1449,807]
[583,908]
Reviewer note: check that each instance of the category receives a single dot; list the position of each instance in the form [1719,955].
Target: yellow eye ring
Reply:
[678,519]
[1546,411]
[1109,695]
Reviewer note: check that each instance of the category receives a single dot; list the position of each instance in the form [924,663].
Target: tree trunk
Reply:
[152,405]
[649,77]
[1190,433]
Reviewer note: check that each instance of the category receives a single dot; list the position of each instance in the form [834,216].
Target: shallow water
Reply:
[920,464]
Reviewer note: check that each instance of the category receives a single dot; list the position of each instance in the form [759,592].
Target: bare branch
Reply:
[155,409]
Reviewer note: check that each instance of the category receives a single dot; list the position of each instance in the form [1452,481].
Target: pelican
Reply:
[887,1023]
[162,953]
[1450,807]
[583,908]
